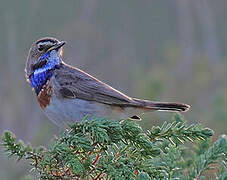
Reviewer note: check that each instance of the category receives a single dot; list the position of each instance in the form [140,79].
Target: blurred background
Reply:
[172,50]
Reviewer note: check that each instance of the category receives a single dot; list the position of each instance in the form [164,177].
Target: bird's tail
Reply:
[162,106]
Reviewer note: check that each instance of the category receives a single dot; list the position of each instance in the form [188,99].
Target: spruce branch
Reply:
[178,133]
[107,149]
[209,160]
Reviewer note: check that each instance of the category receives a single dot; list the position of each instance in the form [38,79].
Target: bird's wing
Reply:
[74,83]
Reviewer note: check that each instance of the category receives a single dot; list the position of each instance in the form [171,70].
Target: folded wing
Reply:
[74,83]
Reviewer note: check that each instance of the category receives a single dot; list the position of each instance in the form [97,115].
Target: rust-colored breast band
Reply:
[45,95]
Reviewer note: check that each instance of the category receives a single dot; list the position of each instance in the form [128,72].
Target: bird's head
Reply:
[44,53]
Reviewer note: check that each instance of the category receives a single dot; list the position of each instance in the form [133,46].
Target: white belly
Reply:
[66,111]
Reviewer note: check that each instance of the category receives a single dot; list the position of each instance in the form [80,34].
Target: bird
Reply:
[67,94]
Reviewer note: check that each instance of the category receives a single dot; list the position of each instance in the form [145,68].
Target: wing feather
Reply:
[74,83]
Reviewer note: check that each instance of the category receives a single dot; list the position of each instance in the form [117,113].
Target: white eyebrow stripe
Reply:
[45,43]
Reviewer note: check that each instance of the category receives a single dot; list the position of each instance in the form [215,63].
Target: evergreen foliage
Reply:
[106,149]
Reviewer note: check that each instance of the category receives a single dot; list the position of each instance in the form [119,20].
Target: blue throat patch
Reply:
[38,80]
[41,75]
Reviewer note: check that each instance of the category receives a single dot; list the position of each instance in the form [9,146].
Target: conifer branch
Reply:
[178,133]
[209,160]
[107,149]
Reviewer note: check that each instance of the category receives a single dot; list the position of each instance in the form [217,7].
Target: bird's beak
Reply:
[56,46]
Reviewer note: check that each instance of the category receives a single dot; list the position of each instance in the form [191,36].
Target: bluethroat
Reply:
[67,94]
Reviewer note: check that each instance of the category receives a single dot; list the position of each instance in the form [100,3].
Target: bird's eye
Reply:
[41,47]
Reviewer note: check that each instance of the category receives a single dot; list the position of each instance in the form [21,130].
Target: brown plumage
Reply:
[45,95]
[68,93]
[75,83]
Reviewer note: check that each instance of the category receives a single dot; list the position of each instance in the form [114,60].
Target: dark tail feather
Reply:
[163,106]
[166,106]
